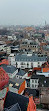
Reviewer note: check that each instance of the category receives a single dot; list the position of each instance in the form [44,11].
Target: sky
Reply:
[24,12]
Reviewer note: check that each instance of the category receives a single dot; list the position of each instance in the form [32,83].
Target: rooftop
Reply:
[13,98]
[16,82]
[21,72]
[9,68]
[30,57]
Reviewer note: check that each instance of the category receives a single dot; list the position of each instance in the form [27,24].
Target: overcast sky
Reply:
[24,12]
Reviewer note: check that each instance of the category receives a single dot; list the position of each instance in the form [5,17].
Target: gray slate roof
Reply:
[34,57]
[21,72]
[9,68]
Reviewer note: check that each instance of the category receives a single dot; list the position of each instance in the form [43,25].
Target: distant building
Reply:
[2,55]
[2,45]
[10,38]
[8,50]
[29,44]
[11,59]
[47,37]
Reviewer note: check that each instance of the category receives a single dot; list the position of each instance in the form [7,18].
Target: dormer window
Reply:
[45,81]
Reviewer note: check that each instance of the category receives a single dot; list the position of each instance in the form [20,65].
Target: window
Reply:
[32,81]
[38,62]
[31,46]
[35,81]
[28,45]
[27,84]
[36,86]
[21,63]
[38,55]
[42,85]
[38,65]
[22,67]
[31,65]
[30,59]
[16,76]
[27,64]
[41,55]
[32,85]
[45,81]
[16,64]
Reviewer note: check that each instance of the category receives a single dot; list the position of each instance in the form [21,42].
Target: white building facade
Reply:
[11,60]
[34,83]
[29,61]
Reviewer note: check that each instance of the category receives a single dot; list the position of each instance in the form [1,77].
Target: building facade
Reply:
[29,60]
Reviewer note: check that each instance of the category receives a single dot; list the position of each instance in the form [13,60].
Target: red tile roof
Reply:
[4,78]
[4,61]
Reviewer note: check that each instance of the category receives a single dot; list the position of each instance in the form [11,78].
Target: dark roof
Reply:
[18,81]
[13,98]
[14,107]
[21,72]
[37,76]
[9,68]
[35,92]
